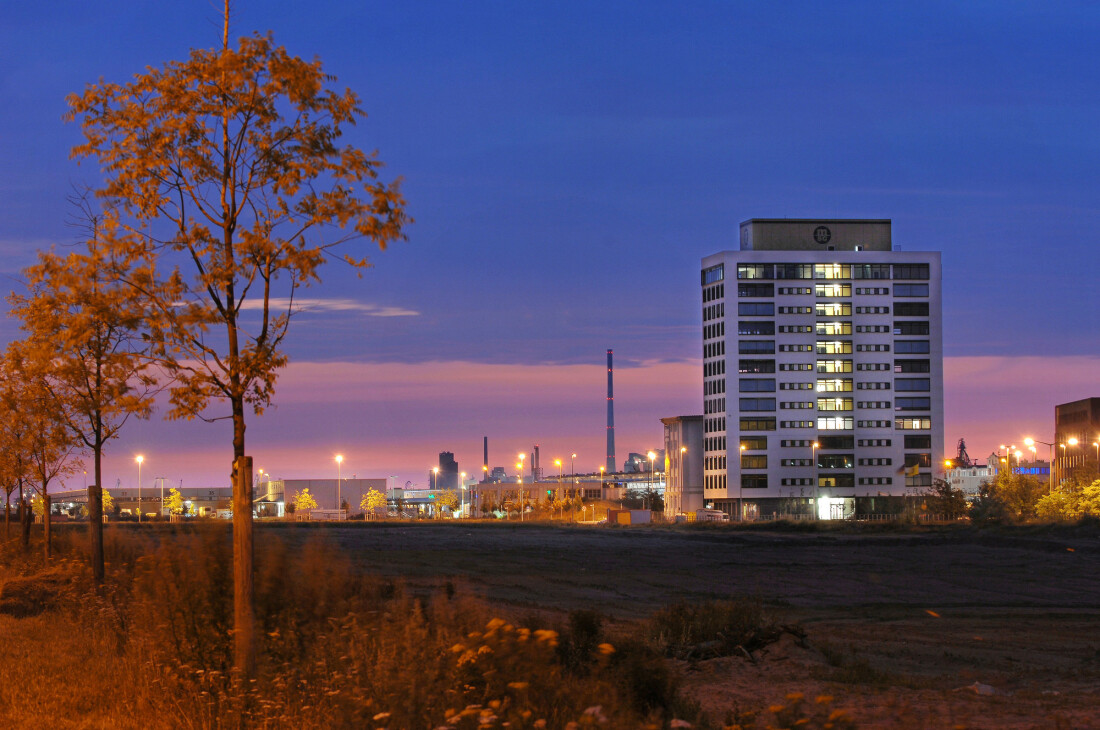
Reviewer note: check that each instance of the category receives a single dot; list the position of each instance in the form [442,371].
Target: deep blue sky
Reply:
[569,163]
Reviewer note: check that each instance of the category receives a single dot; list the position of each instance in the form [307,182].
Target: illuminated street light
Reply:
[813,466]
[139,459]
[339,480]
[1030,442]
[557,463]
[741,491]
[519,480]
[462,483]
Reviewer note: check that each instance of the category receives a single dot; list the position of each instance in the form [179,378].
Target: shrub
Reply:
[712,628]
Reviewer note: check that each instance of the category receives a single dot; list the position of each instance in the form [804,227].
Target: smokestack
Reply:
[610,415]
[485,460]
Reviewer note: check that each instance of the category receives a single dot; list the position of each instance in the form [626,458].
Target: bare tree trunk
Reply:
[95,516]
[24,517]
[244,652]
[46,506]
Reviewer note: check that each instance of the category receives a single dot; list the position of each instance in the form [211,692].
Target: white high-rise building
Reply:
[822,370]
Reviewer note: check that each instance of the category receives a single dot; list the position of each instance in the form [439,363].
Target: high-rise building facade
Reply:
[822,369]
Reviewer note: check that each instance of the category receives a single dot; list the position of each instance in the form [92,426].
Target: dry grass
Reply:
[339,648]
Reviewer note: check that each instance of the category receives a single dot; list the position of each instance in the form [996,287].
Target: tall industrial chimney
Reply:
[610,416]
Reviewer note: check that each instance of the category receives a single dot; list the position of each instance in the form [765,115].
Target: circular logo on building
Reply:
[822,234]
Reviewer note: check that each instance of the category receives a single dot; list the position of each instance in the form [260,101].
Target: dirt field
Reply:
[947,628]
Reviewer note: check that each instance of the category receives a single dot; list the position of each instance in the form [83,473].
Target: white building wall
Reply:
[809,315]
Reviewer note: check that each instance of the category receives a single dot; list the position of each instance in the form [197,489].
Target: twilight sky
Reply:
[569,163]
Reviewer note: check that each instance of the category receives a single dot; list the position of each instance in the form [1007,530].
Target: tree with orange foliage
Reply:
[227,175]
[86,326]
[47,442]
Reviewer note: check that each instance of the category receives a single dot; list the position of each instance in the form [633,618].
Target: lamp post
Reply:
[1072,442]
[1030,442]
[339,481]
[741,491]
[683,484]
[462,483]
[813,467]
[557,463]
[1061,463]
[139,459]
[519,480]
[522,491]
[651,456]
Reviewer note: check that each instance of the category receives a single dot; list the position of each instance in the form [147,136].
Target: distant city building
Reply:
[269,496]
[1076,437]
[683,464]
[637,463]
[969,479]
[822,368]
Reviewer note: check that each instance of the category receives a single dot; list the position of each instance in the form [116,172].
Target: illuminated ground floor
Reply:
[821,508]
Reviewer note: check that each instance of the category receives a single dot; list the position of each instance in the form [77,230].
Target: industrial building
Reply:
[1076,438]
[822,369]
[683,464]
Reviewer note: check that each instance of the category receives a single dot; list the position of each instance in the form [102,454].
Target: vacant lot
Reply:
[938,628]
[628,572]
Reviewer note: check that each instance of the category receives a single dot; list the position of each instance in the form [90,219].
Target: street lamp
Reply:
[519,480]
[741,490]
[1030,442]
[139,459]
[651,456]
[339,480]
[462,483]
[557,463]
[683,484]
[572,471]
[813,466]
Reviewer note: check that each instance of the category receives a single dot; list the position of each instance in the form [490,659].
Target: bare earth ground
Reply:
[951,628]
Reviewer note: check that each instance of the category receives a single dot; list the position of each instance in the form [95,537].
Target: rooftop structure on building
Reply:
[822,369]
